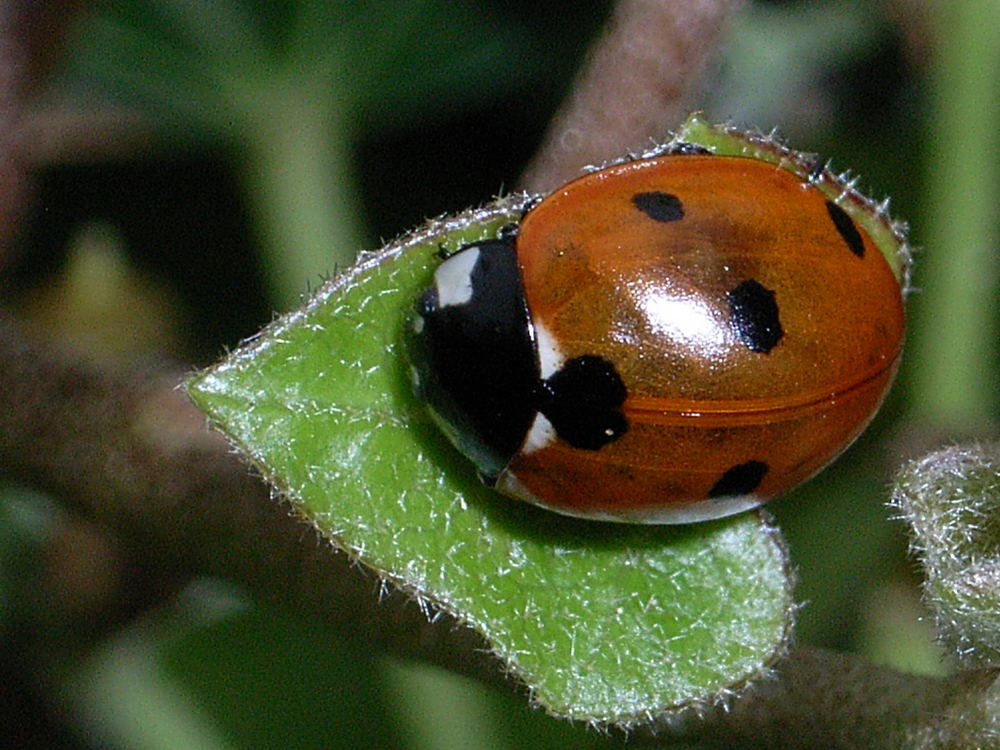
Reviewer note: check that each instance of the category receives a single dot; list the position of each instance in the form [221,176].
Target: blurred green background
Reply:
[276,139]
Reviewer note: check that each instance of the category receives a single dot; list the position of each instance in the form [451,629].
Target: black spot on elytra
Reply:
[754,314]
[583,402]
[659,206]
[847,229]
[741,479]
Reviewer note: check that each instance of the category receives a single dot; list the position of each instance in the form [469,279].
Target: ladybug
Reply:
[666,340]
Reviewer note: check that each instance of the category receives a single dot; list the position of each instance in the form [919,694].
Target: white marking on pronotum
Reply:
[541,434]
[418,324]
[550,359]
[453,278]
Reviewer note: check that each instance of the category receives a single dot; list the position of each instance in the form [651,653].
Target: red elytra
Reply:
[755,327]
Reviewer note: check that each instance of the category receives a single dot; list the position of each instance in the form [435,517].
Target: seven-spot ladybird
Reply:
[665,340]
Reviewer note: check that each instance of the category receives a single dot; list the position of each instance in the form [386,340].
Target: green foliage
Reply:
[219,65]
[604,622]
[289,88]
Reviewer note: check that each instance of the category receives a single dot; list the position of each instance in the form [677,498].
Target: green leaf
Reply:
[604,622]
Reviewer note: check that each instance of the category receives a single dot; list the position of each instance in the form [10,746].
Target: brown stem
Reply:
[820,699]
[31,35]
[128,450]
[639,82]
[13,66]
